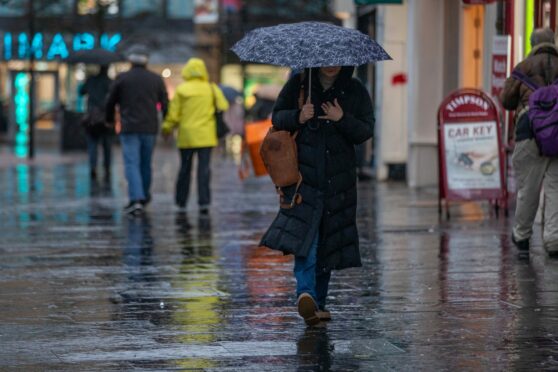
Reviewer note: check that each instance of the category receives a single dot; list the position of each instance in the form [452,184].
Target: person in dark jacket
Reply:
[532,170]
[97,132]
[321,231]
[138,93]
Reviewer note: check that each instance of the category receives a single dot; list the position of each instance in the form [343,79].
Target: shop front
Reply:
[40,36]
[55,85]
[57,105]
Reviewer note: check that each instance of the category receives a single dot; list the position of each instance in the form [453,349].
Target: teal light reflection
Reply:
[23,188]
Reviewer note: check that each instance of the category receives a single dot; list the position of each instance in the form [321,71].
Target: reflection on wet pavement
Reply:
[85,287]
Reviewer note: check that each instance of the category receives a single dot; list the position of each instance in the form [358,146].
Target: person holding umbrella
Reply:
[331,112]
[322,231]
[96,129]
[96,88]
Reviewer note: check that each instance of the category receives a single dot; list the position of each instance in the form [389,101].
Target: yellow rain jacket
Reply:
[192,109]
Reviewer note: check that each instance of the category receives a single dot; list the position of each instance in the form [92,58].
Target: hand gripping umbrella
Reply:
[309,44]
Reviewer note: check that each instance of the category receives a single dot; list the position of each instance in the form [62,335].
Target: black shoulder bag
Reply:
[220,125]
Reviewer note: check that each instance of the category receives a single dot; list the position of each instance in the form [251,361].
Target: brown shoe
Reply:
[307,309]
[324,315]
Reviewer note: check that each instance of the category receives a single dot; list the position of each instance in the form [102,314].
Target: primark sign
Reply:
[51,47]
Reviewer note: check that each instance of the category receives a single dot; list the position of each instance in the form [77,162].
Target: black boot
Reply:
[522,245]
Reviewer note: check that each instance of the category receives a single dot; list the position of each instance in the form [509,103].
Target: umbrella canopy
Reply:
[230,93]
[95,57]
[309,44]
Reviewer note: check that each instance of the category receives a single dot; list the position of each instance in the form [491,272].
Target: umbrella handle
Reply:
[310,84]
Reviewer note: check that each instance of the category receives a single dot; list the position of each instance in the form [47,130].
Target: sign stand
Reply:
[470,151]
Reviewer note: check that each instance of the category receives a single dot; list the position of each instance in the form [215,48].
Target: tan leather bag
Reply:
[280,157]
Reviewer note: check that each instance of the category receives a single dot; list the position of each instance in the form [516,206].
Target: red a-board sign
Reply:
[470,149]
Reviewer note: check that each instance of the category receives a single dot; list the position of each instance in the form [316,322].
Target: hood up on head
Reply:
[343,78]
[195,69]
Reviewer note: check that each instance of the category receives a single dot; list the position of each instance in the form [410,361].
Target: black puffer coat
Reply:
[326,157]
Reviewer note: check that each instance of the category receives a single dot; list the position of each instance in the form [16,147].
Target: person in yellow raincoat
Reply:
[192,112]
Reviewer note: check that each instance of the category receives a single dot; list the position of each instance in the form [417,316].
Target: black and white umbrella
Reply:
[309,44]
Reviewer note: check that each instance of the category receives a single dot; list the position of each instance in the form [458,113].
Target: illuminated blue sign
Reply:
[21,46]
[21,103]
[58,48]
[24,49]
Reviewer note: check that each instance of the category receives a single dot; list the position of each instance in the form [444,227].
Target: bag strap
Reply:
[549,65]
[296,199]
[214,97]
[547,71]
[525,79]
[243,167]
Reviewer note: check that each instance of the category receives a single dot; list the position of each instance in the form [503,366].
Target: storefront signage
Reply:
[470,150]
[471,154]
[377,2]
[472,2]
[206,11]
[501,51]
[57,46]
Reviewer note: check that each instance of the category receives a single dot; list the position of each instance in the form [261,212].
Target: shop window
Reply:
[545,13]
[11,9]
[180,9]
[54,8]
[141,8]
[85,7]
[15,8]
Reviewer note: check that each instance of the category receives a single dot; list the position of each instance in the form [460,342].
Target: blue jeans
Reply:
[93,142]
[137,149]
[308,279]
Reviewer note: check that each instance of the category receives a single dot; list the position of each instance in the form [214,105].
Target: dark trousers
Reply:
[204,175]
[93,141]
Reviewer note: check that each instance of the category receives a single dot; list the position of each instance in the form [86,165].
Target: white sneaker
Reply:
[133,207]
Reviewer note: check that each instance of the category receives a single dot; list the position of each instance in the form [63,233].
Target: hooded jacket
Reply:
[541,65]
[327,162]
[192,109]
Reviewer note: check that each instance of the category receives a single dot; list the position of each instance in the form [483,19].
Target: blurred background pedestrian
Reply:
[98,132]
[192,112]
[138,93]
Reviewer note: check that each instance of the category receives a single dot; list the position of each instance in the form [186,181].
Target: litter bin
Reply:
[73,134]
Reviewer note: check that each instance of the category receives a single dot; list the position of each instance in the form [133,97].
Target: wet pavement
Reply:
[85,287]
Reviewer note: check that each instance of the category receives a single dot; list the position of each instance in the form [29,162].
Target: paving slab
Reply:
[83,286]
